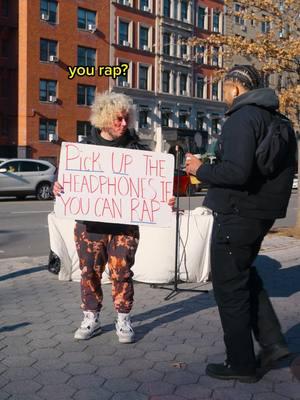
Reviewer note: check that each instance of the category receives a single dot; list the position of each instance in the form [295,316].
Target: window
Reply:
[124,80]
[201,17]
[237,18]
[49,9]
[175,9]
[215,56]
[85,95]
[144,5]
[143,117]
[47,48]
[183,51]
[47,89]
[167,8]
[144,35]
[200,87]
[182,120]
[28,166]
[165,118]
[143,77]
[47,126]
[216,21]
[12,166]
[123,32]
[83,128]
[200,121]
[215,90]
[184,10]
[183,84]
[86,56]
[200,50]
[85,18]
[166,43]
[5,8]
[265,26]
[215,126]
[166,81]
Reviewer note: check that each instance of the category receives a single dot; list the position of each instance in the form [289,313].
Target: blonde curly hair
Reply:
[107,105]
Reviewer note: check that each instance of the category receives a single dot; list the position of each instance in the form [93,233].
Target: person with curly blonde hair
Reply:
[98,243]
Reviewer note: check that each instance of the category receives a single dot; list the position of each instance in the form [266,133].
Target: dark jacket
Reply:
[129,140]
[236,185]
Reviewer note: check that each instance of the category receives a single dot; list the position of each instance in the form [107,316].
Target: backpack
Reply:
[274,148]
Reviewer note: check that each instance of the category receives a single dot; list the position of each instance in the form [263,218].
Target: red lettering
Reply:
[72,153]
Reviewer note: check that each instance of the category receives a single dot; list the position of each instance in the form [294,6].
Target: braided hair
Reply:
[246,75]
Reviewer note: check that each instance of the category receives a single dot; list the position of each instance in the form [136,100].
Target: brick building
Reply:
[169,81]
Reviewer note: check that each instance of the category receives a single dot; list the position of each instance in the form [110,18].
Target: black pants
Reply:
[243,303]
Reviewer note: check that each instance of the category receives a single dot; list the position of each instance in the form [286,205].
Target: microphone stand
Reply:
[175,290]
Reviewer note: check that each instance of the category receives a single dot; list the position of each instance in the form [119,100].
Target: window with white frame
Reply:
[165,117]
[166,81]
[144,38]
[200,52]
[216,21]
[124,80]
[215,90]
[183,84]
[166,43]
[200,121]
[167,8]
[200,83]
[237,18]
[175,9]
[145,5]
[215,124]
[183,51]
[202,18]
[124,38]
[265,25]
[47,127]
[85,95]
[143,116]
[47,48]
[85,18]
[143,77]
[215,56]
[83,128]
[184,10]
[183,119]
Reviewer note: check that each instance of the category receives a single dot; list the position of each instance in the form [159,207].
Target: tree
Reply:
[275,49]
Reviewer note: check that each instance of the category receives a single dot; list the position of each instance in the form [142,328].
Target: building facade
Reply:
[170,82]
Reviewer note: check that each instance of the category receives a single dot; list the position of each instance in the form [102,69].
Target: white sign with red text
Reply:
[115,185]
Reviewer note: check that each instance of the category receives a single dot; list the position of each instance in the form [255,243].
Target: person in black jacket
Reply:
[98,243]
[245,204]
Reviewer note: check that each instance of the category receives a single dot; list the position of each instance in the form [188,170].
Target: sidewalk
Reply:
[39,358]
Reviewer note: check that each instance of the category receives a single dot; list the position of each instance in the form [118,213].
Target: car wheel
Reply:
[43,191]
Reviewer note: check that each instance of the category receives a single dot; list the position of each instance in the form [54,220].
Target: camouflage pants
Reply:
[98,244]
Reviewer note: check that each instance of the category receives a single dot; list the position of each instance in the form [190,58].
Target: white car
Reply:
[22,177]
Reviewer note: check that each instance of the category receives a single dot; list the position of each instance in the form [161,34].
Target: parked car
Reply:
[22,177]
[2,160]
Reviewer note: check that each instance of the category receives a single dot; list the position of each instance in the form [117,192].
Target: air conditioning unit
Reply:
[80,138]
[126,43]
[53,58]
[186,20]
[45,17]
[52,137]
[184,93]
[216,29]
[125,84]
[215,97]
[146,8]
[244,28]
[52,99]
[92,28]
[185,57]
[125,3]
[215,63]
[146,48]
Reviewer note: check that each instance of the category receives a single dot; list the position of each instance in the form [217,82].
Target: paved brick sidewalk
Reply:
[175,339]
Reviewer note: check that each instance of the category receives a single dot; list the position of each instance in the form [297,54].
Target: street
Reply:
[24,225]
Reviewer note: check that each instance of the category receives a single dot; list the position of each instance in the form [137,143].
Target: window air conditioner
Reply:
[215,97]
[45,17]
[147,9]
[52,137]
[80,138]
[52,99]
[216,29]
[125,3]
[146,48]
[215,63]
[92,28]
[53,58]
[186,20]
[184,92]
[126,43]
[125,84]
[244,28]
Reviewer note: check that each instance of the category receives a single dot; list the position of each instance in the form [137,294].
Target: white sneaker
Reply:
[124,329]
[90,326]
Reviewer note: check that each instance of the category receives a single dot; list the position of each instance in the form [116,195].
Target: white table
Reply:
[155,256]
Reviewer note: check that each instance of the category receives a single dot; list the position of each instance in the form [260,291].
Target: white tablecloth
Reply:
[155,256]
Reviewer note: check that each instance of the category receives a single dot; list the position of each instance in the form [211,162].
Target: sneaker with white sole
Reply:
[90,326]
[124,329]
